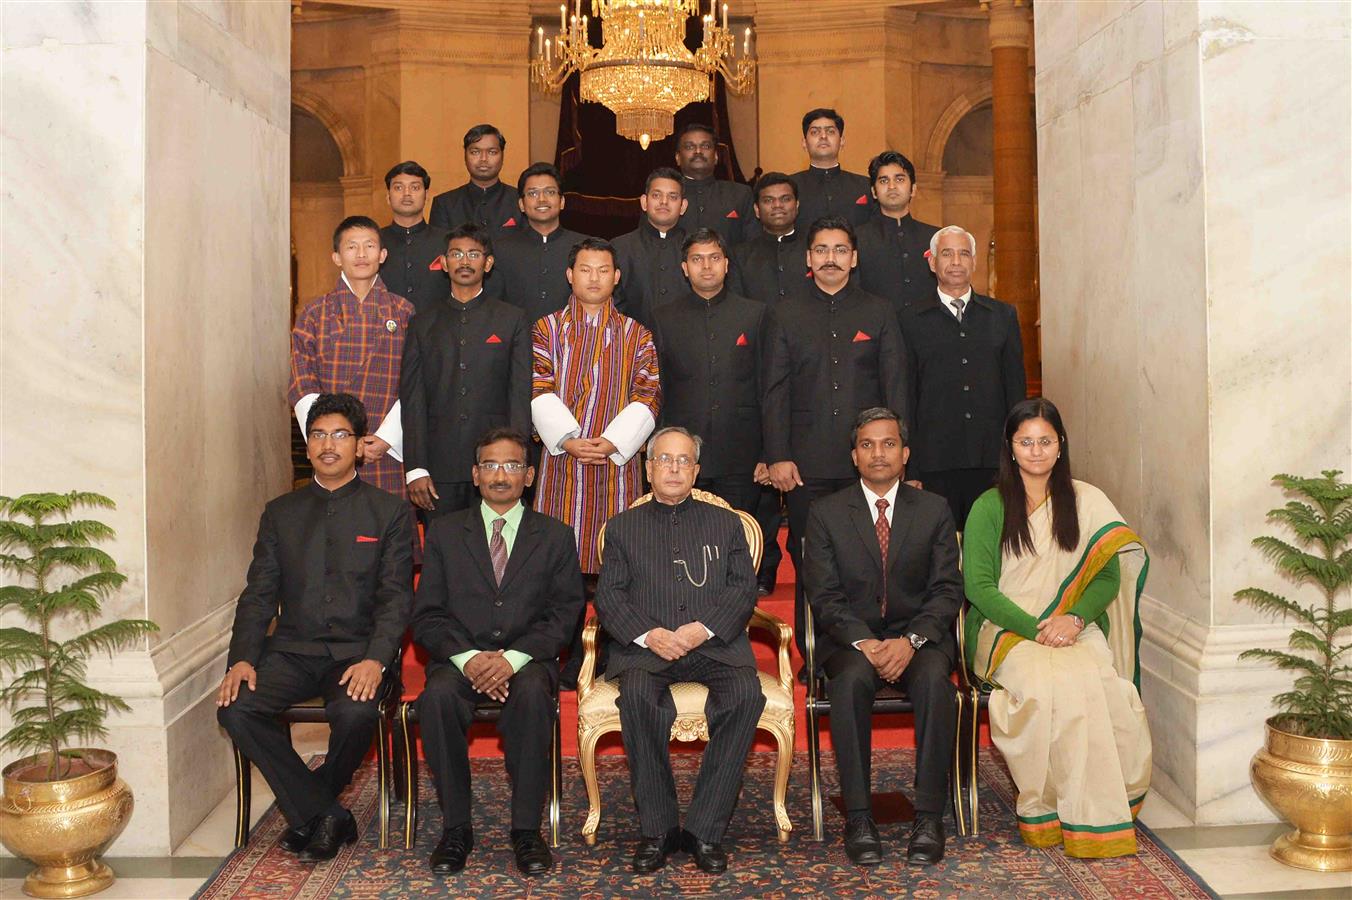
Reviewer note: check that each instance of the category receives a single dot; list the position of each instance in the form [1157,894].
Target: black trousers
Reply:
[647,712]
[285,679]
[851,686]
[445,711]
[742,492]
[960,487]
[798,501]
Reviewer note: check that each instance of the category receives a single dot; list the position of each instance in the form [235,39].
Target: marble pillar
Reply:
[1193,162]
[144,336]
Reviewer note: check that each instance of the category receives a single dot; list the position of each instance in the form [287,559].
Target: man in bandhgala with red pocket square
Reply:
[413,249]
[824,188]
[333,566]
[724,206]
[832,354]
[351,340]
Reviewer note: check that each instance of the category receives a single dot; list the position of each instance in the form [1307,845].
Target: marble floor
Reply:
[1233,859]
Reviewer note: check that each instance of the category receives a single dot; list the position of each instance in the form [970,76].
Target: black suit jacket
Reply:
[335,568]
[724,206]
[650,271]
[407,270]
[833,192]
[494,208]
[963,380]
[529,270]
[892,261]
[770,269]
[466,368]
[460,606]
[843,570]
[829,357]
[710,354]
[641,587]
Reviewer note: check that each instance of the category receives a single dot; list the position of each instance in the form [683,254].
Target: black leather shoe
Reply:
[862,844]
[452,850]
[329,835]
[927,841]
[294,839]
[532,853]
[709,857]
[651,853]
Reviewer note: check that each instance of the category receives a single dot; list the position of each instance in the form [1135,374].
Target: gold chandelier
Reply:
[642,71]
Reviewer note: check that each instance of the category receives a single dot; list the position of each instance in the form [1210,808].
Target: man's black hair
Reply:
[770,179]
[666,172]
[591,243]
[344,405]
[831,223]
[474,232]
[408,167]
[479,132]
[889,158]
[697,126]
[352,222]
[823,112]
[534,169]
[493,435]
[703,236]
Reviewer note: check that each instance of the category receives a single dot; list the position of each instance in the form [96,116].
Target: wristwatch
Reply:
[917,640]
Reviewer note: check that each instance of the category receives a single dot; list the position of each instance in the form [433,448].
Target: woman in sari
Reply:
[1054,577]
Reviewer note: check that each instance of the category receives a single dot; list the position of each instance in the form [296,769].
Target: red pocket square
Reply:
[862,201]
[493,339]
[860,336]
[367,539]
[732,215]
[741,340]
[510,223]
[435,265]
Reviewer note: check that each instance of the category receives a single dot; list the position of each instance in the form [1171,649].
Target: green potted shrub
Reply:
[1304,769]
[62,805]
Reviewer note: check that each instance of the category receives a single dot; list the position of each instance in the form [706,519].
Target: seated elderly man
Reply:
[676,590]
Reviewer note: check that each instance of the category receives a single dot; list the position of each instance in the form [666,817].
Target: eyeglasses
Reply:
[338,436]
[537,193]
[837,250]
[475,255]
[1044,443]
[511,468]
[688,146]
[667,461]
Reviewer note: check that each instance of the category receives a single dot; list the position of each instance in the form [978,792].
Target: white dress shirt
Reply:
[872,500]
[947,301]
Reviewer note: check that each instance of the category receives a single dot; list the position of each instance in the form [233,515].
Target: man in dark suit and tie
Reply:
[499,593]
[466,368]
[333,565]
[966,372]
[676,591]
[882,577]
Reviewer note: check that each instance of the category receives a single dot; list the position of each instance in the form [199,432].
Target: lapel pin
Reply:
[391,326]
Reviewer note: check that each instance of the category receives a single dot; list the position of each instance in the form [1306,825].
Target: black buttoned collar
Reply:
[659,508]
[346,490]
[700,303]
[410,231]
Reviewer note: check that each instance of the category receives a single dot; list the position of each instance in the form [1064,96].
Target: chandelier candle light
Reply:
[643,71]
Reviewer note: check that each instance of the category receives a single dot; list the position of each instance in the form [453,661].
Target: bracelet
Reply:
[1079,620]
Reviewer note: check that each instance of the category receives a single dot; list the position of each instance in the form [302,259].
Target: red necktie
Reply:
[884,530]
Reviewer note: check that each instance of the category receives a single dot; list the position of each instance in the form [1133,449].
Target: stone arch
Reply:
[943,129]
[320,108]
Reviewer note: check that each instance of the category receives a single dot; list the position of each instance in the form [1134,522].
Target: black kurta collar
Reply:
[467,305]
[700,303]
[659,508]
[839,296]
[485,193]
[541,238]
[346,490]
[649,231]
[396,228]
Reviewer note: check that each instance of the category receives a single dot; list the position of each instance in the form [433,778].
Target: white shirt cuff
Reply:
[303,410]
[554,422]
[709,632]
[413,475]
[391,431]
[628,430]
[642,640]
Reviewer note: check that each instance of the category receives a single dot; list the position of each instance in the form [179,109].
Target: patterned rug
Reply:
[993,864]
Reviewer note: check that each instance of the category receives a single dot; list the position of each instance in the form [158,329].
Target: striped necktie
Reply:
[497,549]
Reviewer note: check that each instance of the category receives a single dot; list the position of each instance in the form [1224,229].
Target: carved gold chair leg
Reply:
[814,765]
[970,745]
[383,781]
[783,733]
[410,774]
[243,797]
[586,758]
[555,778]
[959,810]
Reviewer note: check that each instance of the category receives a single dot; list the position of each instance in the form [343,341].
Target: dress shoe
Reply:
[709,857]
[294,839]
[452,850]
[927,840]
[532,853]
[862,844]
[651,852]
[329,835]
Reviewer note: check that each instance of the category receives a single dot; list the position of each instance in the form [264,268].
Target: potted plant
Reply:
[62,805]
[1304,769]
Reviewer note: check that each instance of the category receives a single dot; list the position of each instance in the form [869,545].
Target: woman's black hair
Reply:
[1015,537]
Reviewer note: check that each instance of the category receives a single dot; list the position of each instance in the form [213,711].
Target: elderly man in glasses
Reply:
[499,593]
[677,589]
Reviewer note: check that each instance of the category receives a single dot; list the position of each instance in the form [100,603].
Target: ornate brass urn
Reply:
[1308,781]
[64,826]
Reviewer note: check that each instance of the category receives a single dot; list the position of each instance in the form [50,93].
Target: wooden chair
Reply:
[485,711]
[892,699]
[598,714]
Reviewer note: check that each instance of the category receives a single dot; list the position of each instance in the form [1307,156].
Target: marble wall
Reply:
[145,315]
[1193,166]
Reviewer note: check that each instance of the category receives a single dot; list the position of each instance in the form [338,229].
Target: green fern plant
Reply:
[40,543]
[1320,702]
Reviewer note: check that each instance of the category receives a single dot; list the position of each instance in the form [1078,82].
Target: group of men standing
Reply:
[784,347]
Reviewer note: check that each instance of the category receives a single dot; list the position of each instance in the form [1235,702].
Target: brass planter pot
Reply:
[65,826]
[1308,781]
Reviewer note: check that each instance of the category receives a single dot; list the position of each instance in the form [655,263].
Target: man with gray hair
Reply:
[676,591]
[965,372]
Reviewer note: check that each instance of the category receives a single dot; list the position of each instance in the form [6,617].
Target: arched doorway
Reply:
[316,203]
[969,190]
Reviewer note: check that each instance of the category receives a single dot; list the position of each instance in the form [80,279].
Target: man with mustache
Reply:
[483,200]
[893,245]
[499,593]
[833,353]
[723,206]
[824,188]
[466,369]
[412,267]
[649,257]
[966,372]
[532,262]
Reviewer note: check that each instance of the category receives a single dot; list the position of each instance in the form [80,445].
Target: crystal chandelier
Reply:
[642,71]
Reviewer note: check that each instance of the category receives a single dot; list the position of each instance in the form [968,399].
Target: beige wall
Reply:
[144,335]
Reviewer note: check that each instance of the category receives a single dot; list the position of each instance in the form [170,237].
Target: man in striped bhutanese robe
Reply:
[595,400]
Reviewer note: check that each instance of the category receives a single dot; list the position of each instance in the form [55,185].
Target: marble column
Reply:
[143,337]
[1197,334]
[1015,233]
